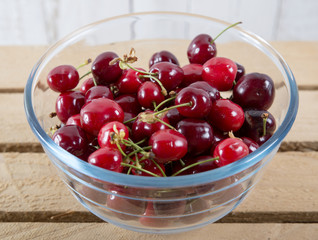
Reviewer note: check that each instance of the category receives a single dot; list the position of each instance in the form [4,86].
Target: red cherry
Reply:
[99,112]
[200,102]
[63,78]
[98,92]
[74,120]
[112,132]
[150,166]
[87,84]
[201,50]
[68,104]
[129,103]
[192,73]
[71,138]
[163,56]
[103,72]
[169,74]
[220,73]
[107,158]
[226,115]
[130,82]
[252,145]
[148,94]
[143,127]
[230,150]
[168,145]
[213,92]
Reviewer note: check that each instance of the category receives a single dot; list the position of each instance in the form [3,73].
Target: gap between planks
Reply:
[87,217]
[28,147]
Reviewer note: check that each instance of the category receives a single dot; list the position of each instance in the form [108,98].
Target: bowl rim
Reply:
[83,167]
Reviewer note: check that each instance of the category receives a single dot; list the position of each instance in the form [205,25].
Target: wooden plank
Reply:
[301,56]
[29,184]
[88,231]
[16,134]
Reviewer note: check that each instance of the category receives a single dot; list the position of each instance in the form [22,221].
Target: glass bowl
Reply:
[149,204]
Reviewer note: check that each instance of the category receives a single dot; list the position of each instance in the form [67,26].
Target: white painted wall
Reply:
[31,22]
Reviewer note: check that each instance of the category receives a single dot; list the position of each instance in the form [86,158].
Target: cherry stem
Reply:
[182,162]
[140,169]
[137,70]
[160,169]
[94,81]
[163,90]
[88,61]
[85,75]
[130,120]
[141,141]
[233,25]
[164,102]
[120,149]
[264,116]
[188,104]
[193,165]
[164,123]
[132,144]
[138,150]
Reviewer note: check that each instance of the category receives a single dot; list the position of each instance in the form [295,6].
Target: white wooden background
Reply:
[41,22]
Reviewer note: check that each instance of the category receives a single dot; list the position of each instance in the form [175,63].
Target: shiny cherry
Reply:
[199,99]
[98,112]
[198,133]
[68,104]
[252,145]
[168,145]
[220,73]
[71,138]
[129,103]
[103,72]
[174,116]
[113,132]
[213,92]
[226,115]
[144,127]
[107,158]
[150,166]
[254,90]
[63,78]
[230,150]
[129,82]
[192,73]
[203,167]
[163,56]
[98,92]
[169,74]
[149,94]
[240,72]
[87,84]
[201,49]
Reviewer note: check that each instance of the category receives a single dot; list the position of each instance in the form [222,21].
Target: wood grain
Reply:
[88,231]
[29,183]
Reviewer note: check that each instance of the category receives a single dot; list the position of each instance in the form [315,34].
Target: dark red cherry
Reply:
[143,127]
[169,74]
[213,92]
[174,116]
[220,73]
[107,158]
[103,72]
[129,103]
[218,136]
[99,112]
[168,145]
[253,126]
[240,72]
[200,49]
[148,94]
[254,90]
[87,84]
[112,132]
[203,167]
[252,145]
[198,133]
[200,102]
[192,73]
[163,56]
[68,104]
[98,92]
[63,78]
[230,150]
[71,138]
[130,82]
[226,115]
[74,120]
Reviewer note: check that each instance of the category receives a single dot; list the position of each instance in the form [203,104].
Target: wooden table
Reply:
[35,204]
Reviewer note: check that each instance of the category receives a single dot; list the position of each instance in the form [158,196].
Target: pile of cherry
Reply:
[166,121]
